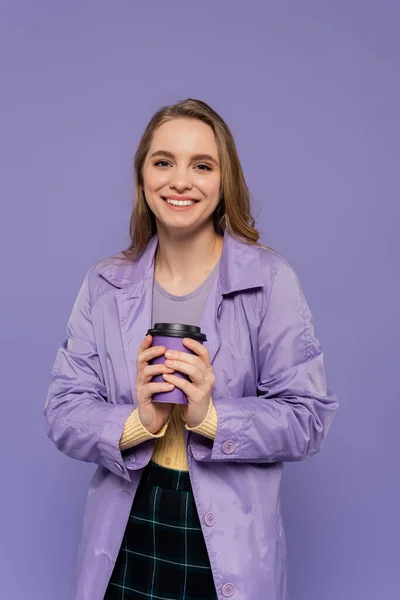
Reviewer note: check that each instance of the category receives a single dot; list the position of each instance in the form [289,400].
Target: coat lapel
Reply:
[134,308]
[134,280]
[239,270]
[210,323]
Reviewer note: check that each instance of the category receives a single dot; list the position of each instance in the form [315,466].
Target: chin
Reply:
[178,227]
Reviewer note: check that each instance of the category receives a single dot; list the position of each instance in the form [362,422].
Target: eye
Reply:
[203,167]
[161,163]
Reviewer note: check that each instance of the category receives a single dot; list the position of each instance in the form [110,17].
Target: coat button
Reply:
[228,447]
[209,519]
[228,589]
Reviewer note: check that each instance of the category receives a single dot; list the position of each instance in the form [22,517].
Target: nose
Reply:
[180,180]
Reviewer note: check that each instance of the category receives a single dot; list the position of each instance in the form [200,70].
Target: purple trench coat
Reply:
[270,393]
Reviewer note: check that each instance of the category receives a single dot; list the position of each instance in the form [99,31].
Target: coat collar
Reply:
[239,269]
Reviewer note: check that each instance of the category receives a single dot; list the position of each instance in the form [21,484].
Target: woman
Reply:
[185,502]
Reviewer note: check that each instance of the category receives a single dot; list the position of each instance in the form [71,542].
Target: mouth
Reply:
[180,203]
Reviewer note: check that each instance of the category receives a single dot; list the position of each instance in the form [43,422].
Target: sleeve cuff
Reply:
[135,433]
[208,427]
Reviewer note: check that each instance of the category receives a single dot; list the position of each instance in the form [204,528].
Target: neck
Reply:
[184,258]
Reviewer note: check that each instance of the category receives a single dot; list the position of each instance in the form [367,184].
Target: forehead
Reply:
[185,136]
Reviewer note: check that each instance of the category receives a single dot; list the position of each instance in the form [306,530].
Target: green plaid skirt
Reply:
[163,554]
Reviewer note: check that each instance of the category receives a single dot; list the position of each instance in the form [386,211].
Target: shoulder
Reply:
[270,264]
[247,266]
[273,264]
[280,281]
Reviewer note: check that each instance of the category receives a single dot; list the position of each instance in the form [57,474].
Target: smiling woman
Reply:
[185,503]
[181,179]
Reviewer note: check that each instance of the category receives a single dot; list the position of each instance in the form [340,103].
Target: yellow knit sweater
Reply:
[169,450]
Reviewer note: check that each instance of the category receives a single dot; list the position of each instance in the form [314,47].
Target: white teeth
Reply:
[179,202]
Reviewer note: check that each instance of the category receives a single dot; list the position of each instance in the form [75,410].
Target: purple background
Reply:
[311,92]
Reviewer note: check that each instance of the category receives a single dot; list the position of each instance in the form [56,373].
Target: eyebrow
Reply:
[192,158]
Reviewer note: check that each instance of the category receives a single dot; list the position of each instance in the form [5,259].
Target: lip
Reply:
[184,208]
[181,198]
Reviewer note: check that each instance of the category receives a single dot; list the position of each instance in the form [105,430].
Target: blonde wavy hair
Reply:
[233,213]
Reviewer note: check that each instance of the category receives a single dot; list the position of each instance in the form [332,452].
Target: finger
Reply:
[146,343]
[197,375]
[183,384]
[156,388]
[152,370]
[150,353]
[199,349]
[185,357]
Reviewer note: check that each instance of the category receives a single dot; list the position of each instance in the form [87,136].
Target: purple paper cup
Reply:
[171,335]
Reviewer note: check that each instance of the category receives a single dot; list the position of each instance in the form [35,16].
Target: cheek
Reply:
[212,188]
[153,180]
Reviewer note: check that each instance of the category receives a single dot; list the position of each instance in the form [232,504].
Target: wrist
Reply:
[154,429]
[146,422]
[194,419]
[154,424]
[208,427]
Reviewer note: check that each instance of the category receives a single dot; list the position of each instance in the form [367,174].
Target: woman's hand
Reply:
[198,390]
[153,416]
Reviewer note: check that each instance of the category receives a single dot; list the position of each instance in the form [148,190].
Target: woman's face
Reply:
[181,175]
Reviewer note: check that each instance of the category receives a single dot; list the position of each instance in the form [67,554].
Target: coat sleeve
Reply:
[79,420]
[293,410]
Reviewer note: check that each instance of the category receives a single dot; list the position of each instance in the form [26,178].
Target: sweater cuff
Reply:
[208,427]
[135,433]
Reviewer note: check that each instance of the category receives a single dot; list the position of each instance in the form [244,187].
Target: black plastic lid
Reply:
[177,330]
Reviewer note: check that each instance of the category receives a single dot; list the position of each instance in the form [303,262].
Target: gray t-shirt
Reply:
[187,309]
